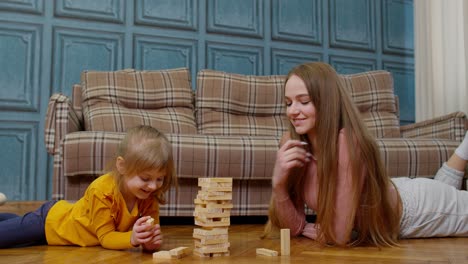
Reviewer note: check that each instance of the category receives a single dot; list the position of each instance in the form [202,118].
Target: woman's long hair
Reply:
[373,216]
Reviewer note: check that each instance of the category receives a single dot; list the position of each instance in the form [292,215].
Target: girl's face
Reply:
[299,107]
[143,185]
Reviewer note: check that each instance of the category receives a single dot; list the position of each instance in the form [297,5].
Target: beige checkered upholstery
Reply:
[230,127]
[116,101]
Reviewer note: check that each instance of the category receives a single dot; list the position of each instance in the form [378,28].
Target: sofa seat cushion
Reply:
[88,153]
[236,104]
[245,158]
[116,101]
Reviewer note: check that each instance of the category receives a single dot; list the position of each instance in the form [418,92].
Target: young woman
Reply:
[330,162]
[115,207]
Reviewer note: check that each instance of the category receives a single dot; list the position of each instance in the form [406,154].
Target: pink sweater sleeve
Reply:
[289,216]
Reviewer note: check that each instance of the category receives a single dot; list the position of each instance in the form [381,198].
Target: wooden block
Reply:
[208,240]
[198,244]
[213,204]
[214,179]
[150,221]
[285,242]
[210,232]
[224,222]
[163,254]
[266,252]
[197,252]
[206,250]
[205,215]
[222,254]
[180,252]
[208,197]
[216,188]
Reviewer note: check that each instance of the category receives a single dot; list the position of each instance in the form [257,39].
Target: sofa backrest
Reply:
[235,104]
[118,100]
[374,96]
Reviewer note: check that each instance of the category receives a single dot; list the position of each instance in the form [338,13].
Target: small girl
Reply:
[115,208]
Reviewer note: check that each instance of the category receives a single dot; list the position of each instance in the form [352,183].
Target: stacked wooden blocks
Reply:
[212,213]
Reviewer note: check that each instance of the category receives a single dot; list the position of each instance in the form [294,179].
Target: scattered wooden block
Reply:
[180,252]
[285,242]
[163,254]
[266,252]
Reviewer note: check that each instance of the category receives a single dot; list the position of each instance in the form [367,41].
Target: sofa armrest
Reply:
[61,119]
[451,126]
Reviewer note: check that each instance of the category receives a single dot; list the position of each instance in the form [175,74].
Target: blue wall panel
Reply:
[45,45]
[232,58]
[297,20]
[153,52]
[242,17]
[76,50]
[403,78]
[27,6]
[167,13]
[103,10]
[19,157]
[285,60]
[352,24]
[397,16]
[20,46]
[350,65]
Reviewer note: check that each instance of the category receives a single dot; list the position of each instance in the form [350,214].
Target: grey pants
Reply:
[433,207]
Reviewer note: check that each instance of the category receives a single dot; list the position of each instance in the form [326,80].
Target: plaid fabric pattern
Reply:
[235,104]
[240,137]
[88,153]
[451,126]
[116,101]
[61,119]
[372,93]
[248,197]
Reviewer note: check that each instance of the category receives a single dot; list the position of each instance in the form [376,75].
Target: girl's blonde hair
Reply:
[378,220]
[145,148]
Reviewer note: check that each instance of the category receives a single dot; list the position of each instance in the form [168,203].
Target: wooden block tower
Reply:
[212,213]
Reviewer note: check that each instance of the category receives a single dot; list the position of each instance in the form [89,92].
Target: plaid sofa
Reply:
[229,126]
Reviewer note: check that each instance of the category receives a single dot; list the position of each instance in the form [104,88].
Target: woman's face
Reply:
[299,107]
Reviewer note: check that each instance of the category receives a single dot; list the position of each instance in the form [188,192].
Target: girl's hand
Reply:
[142,232]
[156,242]
[290,155]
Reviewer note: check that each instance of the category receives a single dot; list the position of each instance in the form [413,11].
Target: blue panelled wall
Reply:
[45,44]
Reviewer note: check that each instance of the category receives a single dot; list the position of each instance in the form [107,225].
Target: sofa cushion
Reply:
[373,94]
[116,101]
[235,104]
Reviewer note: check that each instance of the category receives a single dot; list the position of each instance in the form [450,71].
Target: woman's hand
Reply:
[291,154]
[146,234]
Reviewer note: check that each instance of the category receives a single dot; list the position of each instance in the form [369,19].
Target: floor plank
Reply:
[244,239]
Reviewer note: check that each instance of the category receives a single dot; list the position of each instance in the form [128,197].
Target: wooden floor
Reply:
[244,239]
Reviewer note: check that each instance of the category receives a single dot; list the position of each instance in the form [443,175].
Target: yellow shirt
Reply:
[100,217]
